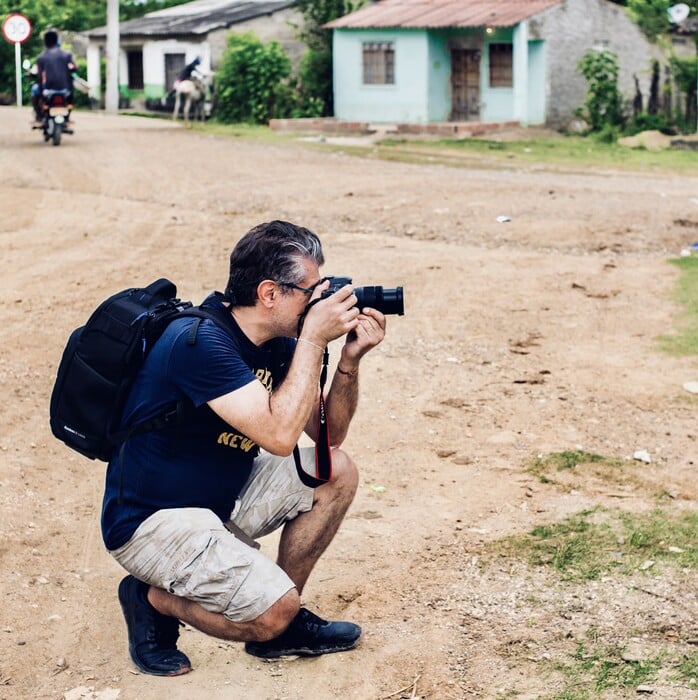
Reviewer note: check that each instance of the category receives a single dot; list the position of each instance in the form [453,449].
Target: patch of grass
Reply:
[595,542]
[685,342]
[688,668]
[565,151]
[545,466]
[569,459]
[595,669]
[572,153]
[244,132]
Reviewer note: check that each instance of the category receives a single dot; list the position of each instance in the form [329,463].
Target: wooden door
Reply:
[465,85]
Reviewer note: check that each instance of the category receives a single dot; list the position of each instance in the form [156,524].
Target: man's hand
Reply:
[369,332]
[333,317]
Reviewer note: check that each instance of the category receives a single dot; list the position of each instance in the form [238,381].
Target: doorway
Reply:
[465,85]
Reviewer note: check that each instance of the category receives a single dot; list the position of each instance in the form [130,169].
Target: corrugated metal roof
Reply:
[436,14]
[196,18]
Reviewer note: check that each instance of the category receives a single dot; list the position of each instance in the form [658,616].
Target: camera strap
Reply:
[323,451]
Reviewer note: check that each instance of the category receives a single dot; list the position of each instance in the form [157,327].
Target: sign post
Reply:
[17,29]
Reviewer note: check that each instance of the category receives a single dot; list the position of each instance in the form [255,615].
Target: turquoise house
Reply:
[420,61]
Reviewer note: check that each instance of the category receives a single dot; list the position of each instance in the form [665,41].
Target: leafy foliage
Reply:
[252,84]
[66,16]
[603,100]
[651,16]
[315,75]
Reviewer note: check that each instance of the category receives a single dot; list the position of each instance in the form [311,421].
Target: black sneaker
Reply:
[308,635]
[152,637]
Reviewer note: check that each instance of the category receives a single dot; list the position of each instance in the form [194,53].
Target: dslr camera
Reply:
[387,300]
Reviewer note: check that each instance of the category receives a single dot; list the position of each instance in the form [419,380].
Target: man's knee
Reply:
[344,471]
[272,622]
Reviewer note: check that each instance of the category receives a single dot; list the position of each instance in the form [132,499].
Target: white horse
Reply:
[193,92]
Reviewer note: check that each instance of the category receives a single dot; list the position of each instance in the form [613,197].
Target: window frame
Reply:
[500,72]
[378,63]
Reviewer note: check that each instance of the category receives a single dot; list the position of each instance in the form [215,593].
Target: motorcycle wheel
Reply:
[56,136]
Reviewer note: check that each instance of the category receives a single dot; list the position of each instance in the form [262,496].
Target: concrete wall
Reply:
[404,101]
[576,26]
[439,77]
[278,27]
[422,90]
[210,49]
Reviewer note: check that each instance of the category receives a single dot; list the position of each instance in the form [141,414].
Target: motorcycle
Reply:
[56,115]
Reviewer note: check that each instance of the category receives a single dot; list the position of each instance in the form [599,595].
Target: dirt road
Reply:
[520,338]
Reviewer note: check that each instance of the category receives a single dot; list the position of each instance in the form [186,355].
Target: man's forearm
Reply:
[296,398]
[342,401]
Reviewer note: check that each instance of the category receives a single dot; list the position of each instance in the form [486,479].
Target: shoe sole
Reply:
[301,651]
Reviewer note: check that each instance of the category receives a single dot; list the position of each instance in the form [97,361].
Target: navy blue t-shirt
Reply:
[204,462]
[55,62]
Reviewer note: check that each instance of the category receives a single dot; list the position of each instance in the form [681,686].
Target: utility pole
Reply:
[111,101]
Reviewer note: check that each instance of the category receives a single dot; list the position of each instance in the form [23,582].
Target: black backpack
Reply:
[100,363]
[102,358]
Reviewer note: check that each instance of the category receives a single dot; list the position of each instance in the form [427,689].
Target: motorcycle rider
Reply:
[55,66]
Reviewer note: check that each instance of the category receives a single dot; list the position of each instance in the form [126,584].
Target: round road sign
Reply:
[16,28]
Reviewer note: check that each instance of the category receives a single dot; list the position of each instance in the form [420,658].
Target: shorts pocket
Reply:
[215,573]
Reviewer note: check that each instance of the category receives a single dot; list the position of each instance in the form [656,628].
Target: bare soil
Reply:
[521,338]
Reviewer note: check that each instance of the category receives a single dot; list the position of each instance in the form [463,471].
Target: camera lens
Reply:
[387,300]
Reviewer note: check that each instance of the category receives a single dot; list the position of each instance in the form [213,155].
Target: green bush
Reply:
[603,103]
[252,84]
[649,122]
[315,84]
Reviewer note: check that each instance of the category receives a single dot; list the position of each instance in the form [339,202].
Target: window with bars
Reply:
[379,63]
[501,65]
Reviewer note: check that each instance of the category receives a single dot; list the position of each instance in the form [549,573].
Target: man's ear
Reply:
[267,292]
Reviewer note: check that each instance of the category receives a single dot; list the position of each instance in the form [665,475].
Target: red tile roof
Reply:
[432,14]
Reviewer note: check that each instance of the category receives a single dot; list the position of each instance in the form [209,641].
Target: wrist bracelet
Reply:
[350,373]
[310,342]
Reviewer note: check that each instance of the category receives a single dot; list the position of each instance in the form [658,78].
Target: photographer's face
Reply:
[293,298]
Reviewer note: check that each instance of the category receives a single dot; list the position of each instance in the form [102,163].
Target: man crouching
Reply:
[183,505]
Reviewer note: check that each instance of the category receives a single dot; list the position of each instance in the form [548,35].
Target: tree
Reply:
[652,15]
[685,71]
[66,16]
[315,75]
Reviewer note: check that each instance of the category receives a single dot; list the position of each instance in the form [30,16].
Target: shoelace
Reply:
[310,621]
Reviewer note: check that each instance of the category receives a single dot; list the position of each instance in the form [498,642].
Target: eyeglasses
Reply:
[305,290]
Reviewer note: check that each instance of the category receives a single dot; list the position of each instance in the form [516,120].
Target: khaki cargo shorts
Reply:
[190,553]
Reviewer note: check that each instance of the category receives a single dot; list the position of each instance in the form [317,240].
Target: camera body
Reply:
[387,300]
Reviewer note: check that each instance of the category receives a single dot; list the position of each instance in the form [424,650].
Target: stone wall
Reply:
[576,26]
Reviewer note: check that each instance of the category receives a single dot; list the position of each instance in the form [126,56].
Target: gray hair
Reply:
[270,251]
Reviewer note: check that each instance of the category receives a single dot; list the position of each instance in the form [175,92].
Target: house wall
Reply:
[438,77]
[573,28]
[209,48]
[154,62]
[422,90]
[278,26]
[547,88]
[537,94]
[496,103]
[405,101]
